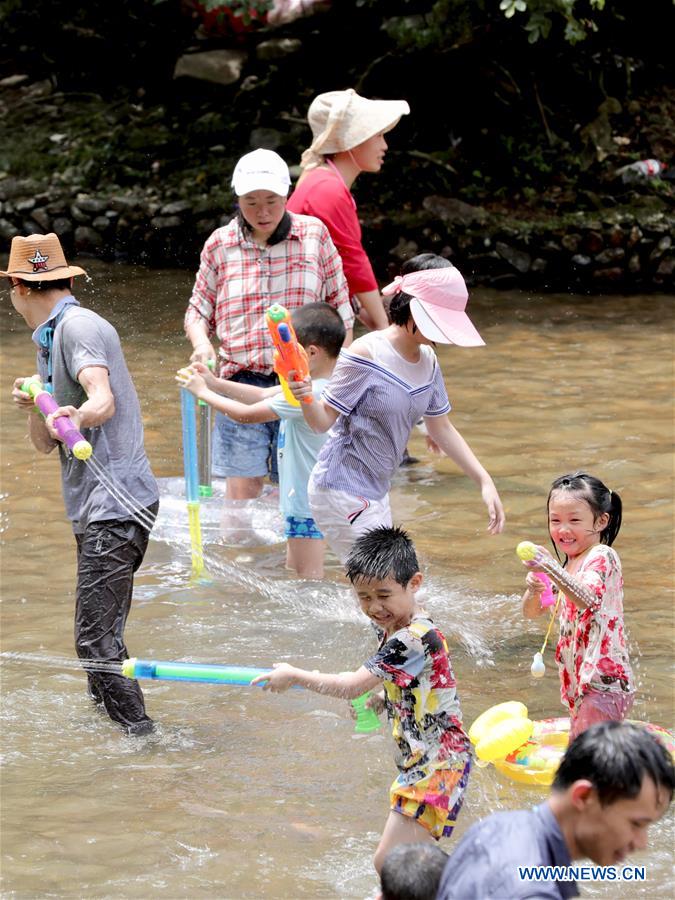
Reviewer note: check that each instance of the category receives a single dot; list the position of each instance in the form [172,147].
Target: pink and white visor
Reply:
[439,298]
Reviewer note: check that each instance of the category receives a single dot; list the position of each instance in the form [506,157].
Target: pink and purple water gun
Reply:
[71,437]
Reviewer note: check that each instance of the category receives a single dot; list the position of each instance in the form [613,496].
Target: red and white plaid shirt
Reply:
[238,281]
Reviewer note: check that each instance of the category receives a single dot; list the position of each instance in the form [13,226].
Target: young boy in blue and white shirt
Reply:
[320,331]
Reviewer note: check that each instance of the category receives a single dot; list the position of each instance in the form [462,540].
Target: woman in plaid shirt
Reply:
[265,255]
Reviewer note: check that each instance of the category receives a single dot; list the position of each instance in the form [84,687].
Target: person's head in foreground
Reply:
[261,182]
[383,569]
[614,781]
[412,872]
[428,301]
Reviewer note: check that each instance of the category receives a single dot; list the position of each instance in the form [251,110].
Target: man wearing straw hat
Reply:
[80,361]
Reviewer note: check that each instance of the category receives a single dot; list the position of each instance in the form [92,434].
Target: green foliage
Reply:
[580,17]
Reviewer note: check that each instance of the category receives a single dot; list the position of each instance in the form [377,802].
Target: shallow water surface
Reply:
[241,794]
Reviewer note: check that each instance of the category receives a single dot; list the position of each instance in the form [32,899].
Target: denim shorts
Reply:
[245,451]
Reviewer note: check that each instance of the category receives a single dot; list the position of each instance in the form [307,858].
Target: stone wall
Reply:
[616,251]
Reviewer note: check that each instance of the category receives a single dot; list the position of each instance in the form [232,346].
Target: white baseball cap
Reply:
[261,170]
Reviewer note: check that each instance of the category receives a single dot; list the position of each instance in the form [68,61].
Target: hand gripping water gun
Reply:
[236,675]
[529,552]
[289,356]
[71,437]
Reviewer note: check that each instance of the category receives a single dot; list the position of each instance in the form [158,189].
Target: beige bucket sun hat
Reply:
[39,257]
[341,120]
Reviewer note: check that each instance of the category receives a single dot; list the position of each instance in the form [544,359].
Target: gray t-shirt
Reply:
[82,338]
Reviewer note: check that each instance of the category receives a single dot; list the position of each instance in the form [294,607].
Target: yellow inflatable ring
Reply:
[512,709]
[536,761]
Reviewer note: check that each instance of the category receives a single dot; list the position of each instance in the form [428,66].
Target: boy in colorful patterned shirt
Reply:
[413,666]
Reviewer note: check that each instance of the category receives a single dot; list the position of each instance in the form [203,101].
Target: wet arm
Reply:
[100,403]
[96,409]
[39,434]
[345,685]
[236,410]
[243,393]
[453,445]
[318,414]
[572,586]
[198,335]
[376,317]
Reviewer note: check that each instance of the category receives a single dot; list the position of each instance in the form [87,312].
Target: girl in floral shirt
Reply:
[596,681]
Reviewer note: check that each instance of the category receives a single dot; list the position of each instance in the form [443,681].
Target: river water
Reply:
[242,794]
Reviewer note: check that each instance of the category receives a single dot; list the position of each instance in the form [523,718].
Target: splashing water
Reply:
[62,662]
[121,495]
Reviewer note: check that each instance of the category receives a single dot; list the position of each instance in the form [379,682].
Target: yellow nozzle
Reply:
[82,450]
[526,550]
[128,667]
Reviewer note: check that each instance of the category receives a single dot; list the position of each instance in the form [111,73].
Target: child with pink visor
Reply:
[379,389]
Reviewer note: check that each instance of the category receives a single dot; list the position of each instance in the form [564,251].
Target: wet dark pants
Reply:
[108,555]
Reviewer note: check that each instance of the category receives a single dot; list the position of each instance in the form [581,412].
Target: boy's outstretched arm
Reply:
[346,685]
[453,445]
[318,414]
[240,412]
[235,390]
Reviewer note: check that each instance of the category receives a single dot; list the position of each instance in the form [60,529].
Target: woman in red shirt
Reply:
[348,132]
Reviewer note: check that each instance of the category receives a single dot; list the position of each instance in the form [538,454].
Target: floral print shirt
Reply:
[591,652]
[421,699]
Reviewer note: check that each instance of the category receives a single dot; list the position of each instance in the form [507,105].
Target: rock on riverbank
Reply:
[619,250]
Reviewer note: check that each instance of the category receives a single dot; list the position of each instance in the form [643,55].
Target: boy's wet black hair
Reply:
[599,498]
[58,284]
[399,305]
[381,553]
[321,325]
[616,757]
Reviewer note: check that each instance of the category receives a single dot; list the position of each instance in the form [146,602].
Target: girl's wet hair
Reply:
[382,553]
[599,498]
[399,305]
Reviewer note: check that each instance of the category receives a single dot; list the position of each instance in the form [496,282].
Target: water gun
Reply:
[191,471]
[289,356]
[177,671]
[242,676]
[529,552]
[367,719]
[204,413]
[71,437]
